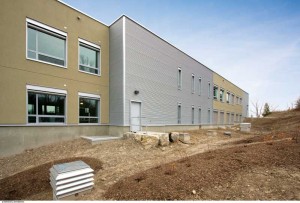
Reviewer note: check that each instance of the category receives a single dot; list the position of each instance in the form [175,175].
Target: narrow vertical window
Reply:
[227,97]
[208,116]
[199,86]
[179,79]
[216,92]
[193,83]
[179,113]
[232,99]
[199,115]
[193,115]
[221,95]
[208,89]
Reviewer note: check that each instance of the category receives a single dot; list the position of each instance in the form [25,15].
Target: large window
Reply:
[89,57]
[44,107]
[46,44]
[88,108]
[215,92]
[193,83]
[179,79]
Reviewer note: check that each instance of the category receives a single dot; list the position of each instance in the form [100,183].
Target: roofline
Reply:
[231,82]
[164,41]
[60,1]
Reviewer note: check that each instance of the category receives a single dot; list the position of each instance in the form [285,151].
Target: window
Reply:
[179,79]
[45,44]
[221,95]
[89,57]
[227,97]
[237,100]
[45,106]
[193,115]
[193,83]
[199,115]
[208,116]
[232,99]
[199,86]
[215,92]
[241,101]
[179,113]
[88,108]
[208,89]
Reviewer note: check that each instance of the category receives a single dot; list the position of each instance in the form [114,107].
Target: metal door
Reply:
[135,116]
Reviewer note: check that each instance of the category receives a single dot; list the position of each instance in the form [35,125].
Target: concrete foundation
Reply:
[16,139]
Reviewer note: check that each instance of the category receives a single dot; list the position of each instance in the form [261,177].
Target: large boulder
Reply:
[174,136]
[184,137]
[164,139]
[133,135]
[150,141]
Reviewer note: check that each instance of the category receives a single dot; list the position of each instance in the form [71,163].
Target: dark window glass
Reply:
[89,59]
[88,110]
[31,106]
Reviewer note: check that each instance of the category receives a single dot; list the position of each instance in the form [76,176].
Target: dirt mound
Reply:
[217,175]
[36,180]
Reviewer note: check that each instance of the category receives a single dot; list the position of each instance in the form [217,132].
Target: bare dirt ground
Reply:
[263,164]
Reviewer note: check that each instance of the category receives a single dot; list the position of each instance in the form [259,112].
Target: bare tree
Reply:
[257,108]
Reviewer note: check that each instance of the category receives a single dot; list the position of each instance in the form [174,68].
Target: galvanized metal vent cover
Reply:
[70,178]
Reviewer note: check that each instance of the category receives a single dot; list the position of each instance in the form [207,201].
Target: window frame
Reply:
[50,31]
[89,96]
[217,90]
[193,115]
[199,85]
[179,79]
[209,89]
[193,83]
[179,118]
[93,47]
[46,90]
[223,91]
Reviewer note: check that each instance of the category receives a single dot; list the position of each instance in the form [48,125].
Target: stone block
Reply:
[164,139]
[184,137]
[228,133]
[150,141]
[174,136]
[245,127]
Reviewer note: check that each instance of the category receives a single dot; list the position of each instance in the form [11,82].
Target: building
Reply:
[64,74]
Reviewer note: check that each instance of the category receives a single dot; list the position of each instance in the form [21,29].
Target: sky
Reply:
[253,43]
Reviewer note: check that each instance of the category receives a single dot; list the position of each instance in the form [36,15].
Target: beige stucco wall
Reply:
[16,71]
[223,106]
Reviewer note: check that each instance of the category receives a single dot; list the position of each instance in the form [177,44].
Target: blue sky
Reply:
[253,43]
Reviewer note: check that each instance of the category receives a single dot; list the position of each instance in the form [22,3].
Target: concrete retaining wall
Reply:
[16,139]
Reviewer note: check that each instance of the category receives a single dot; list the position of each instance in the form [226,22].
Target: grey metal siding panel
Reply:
[151,68]
[116,73]
[245,103]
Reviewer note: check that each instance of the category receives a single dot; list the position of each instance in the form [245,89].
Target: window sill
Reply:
[89,73]
[53,64]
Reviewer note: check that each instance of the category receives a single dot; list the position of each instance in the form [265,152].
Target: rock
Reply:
[164,139]
[174,136]
[184,137]
[150,141]
[211,132]
[133,135]
[194,192]
[245,127]
[227,133]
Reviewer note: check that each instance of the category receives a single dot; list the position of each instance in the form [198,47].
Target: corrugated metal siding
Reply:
[245,103]
[151,68]
[116,73]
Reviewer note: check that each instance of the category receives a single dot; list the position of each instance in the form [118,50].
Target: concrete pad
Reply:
[100,139]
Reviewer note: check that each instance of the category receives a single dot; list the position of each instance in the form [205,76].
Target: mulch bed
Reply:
[204,172]
[36,180]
